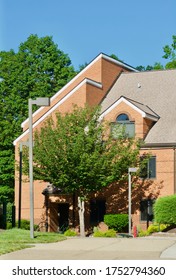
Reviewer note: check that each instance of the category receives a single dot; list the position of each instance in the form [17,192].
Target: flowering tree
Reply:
[76,154]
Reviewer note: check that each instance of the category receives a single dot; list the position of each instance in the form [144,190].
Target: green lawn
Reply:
[17,239]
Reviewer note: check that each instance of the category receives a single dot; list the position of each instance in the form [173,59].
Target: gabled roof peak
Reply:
[100,56]
[120,63]
[144,110]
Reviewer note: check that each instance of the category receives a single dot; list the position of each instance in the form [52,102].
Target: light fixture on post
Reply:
[40,101]
[130,170]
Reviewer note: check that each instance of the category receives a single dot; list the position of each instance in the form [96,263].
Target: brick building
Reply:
[142,101]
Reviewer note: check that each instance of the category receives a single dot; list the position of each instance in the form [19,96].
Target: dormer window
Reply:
[122,118]
[123,127]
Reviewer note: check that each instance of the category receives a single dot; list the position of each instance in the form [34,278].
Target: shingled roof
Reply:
[151,91]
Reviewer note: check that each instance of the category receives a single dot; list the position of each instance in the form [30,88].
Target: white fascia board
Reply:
[153,118]
[123,99]
[91,82]
[119,63]
[65,87]
[101,55]
[88,81]
[120,100]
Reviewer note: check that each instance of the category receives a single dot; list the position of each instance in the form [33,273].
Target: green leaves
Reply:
[6,175]
[169,53]
[38,69]
[170,50]
[74,154]
[165,210]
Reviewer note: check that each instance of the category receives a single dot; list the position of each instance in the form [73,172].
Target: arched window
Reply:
[122,118]
[123,127]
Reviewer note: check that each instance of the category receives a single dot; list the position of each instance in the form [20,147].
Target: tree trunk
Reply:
[81,216]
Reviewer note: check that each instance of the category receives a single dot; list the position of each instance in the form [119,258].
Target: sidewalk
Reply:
[90,248]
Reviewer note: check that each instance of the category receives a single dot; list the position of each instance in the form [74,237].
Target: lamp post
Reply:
[20,181]
[130,170]
[41,101]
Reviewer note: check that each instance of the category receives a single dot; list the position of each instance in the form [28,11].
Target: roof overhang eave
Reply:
[151,117]
[158,145]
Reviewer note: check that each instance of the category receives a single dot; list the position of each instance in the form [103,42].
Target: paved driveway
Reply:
[90,248]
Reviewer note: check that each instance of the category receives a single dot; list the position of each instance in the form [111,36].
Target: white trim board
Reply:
[123,99]
[85,81]
[101,55]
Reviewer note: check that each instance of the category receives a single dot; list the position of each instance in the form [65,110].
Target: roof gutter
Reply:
[158,145]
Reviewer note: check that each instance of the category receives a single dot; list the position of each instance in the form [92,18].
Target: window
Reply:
[122,118]
[148,171]
[146,209]
[123,127]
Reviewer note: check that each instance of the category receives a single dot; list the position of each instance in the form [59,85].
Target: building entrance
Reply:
[63,216]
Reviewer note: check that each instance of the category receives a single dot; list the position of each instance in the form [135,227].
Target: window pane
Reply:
[143,169]
[130,130]
[116,130]
[148,171]
[146,208]
[122,117]
[152,167]
[123,129]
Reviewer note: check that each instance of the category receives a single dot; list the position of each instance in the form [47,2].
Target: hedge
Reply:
[165,210]
[118,222]
[108,233]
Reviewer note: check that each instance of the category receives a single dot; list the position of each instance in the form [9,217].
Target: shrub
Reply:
[70,232]
[118,222]
[9,212]
[142,233]
[25,224]
[108,233]
[6,220]
[1,216]
[9,225]
[152,228]
[95,229]
[156,228]
[98,234]
[165,210]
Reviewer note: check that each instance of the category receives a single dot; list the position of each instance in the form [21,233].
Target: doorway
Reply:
[97,211]
[63,216]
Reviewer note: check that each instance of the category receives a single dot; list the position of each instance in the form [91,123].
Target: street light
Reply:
[41,101]
[20,181]
[130,170]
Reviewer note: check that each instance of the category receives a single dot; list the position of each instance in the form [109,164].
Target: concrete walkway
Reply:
[89,248]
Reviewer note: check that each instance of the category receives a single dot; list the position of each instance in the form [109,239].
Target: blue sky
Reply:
[135,31]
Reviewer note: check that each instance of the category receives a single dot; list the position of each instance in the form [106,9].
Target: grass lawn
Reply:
[17,239]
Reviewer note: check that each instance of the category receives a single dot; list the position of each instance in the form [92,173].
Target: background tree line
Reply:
[39,68]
